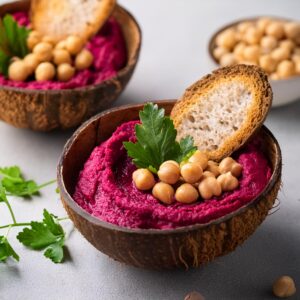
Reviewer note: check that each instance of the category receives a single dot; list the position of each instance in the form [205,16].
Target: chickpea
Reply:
[251,53]
[207,174]
[289,44]
[169,172]
[227,59]
[292,30]
[49,39]
[44,71]
[84,60]
[74,44]
[280,54]
[284,287]
[295,58]
[274,76]
[31,62]
[286,69]
[228,164]
[194,296]
[18,71]
[228,182]
[61,45]
[275,29]
[243,26]
[61,56]
[213,168]
[143,179]
[267,63]
[252,36]
[191,172]
[65,72]
[218,52]
[262,24]
[209,187]
[43,51]
[200,158]
[297,67]
[268,43]
[238,51]
[175,163]
[186,193]
[33,39]
[226,39]
[163,192]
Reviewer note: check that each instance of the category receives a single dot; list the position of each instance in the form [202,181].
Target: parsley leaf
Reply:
[16,185]
[6,250]
[156,140]
[13,41]
[48,235]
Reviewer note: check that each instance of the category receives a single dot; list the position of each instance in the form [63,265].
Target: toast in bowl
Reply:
[222,110]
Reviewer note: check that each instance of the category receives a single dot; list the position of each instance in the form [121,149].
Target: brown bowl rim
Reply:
[211,42]
[97,222]
[130,63]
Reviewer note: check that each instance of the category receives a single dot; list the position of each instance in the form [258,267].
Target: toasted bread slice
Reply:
[60,18]
[223,109]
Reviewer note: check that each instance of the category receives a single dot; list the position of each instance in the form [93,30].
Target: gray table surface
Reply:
[173,56]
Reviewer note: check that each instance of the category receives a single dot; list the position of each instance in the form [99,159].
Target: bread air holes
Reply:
[191,118]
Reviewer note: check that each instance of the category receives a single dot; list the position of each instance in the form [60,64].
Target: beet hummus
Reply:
[110,55]
[106,190]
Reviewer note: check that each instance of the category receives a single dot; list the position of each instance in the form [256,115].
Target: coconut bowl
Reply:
[284,90]
[45,110]
[189,246]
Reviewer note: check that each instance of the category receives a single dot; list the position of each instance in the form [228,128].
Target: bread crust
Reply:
[53,17]
[255,80]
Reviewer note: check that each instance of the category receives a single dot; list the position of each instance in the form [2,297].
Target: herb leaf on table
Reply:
[156,140]
[48,235]
[6,250]
[16,185]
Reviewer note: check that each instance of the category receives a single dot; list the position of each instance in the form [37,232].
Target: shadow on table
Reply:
[248,272]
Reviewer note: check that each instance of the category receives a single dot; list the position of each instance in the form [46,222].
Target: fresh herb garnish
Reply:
[16,185]
[46,235]
[156,140]
[6,250]
[13,42]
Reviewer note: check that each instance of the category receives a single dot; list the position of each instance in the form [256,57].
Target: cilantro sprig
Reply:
[156,140]
[47,235]
[12,41]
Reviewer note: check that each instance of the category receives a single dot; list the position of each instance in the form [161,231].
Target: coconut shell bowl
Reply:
[190,246]
[45,110]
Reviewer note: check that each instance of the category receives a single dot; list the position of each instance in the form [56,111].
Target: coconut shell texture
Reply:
[45,110]
[185,247]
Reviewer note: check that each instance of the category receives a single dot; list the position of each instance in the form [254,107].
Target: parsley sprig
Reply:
[156,140]
[12,42]
[46,235]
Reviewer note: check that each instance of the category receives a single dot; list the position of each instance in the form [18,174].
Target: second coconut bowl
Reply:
[45,110]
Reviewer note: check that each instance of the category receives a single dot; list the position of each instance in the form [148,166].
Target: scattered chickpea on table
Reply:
[271,43]
[193,179]
[50,59]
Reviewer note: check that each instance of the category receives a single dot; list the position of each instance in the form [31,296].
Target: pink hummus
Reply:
[105,188]
[110,55]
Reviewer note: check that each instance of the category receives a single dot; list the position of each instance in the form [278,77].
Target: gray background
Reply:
[173,56]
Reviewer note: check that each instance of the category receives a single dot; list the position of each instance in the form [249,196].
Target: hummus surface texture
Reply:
[110,55]
[105,188]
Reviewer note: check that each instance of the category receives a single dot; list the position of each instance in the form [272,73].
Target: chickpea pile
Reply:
[272,44]
[50,59]
[191,180]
